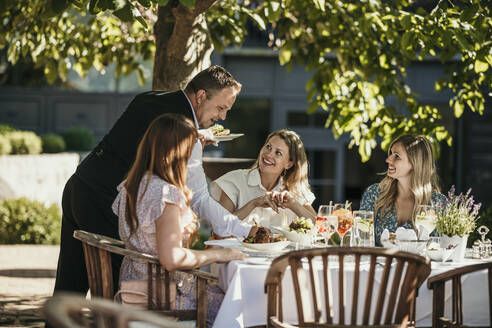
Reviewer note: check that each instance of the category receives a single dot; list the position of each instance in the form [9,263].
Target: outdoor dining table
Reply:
[245,301]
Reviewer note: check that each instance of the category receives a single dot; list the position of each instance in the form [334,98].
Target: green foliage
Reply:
[79,138]
[29,222]
[357,51]
[4,128]
[5,147]
[24,142]
[53,143]
[485,219]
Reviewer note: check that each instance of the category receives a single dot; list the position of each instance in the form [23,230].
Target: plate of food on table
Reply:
[265,241]
[300,230]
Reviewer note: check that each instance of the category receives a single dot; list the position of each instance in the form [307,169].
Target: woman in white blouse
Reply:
[275,190]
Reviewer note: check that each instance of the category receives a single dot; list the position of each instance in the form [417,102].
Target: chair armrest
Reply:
[276,323]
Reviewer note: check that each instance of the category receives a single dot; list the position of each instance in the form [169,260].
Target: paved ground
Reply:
[27,277]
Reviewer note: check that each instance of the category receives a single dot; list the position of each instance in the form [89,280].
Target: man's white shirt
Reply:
[223,222]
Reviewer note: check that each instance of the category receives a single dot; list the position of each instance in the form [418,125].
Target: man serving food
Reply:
[90,192]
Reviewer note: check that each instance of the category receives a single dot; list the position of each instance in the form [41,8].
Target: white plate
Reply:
[296,237]
[228,137]
[267,247]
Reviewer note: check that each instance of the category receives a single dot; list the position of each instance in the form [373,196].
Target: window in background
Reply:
[322,175]
[302,119]
[251,117]
[359,176]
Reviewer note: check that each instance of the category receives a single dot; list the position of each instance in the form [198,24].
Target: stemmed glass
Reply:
[344,214]
[426,219]
[326,222]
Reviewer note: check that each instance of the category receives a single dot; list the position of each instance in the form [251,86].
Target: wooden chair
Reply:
[97,251]
[70,311]
[402,274]
[437,284]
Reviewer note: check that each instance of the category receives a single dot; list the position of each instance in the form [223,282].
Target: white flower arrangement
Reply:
[457,215]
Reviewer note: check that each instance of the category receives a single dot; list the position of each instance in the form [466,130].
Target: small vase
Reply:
[460,243]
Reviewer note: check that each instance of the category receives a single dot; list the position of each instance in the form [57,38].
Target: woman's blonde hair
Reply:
[163,151]
[423,180]
[296,177]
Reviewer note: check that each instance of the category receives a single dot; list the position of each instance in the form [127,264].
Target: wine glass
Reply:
[425,219]
[326,223]
[344,214]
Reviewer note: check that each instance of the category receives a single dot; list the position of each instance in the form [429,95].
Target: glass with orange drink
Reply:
[345,219]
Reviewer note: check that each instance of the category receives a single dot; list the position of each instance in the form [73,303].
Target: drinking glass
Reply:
[363,229]
[326,223]
[425,219]
[344,215]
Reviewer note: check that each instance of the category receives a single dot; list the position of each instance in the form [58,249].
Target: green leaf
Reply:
[145,3]
[59,5]
[258,20]
[138,16]
[50,71]
[162,2]
[320,4]
[382,61]
[312,107]
[405,40]
[188,3]
[284,55]
[93,8]
[459,107]
[481,66]
[125,14]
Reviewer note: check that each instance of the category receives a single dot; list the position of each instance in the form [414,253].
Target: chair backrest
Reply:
[71,311]
[437,284]
[97,251]
[400,275]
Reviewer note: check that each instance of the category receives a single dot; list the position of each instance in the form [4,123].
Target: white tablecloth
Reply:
[245,302]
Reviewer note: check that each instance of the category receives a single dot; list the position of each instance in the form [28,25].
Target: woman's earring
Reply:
[284,172]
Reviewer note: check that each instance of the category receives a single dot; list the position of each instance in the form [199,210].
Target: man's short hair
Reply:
[212,80]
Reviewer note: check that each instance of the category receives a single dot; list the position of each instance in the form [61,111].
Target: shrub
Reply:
[24,142]
[29,222]
[79,138]
[53,143]
[5,147]
[4,128]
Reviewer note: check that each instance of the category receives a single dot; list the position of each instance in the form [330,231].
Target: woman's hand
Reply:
[267,200]
[229,254]
[283,199]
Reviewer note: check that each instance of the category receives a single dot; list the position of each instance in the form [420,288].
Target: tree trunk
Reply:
[183,45]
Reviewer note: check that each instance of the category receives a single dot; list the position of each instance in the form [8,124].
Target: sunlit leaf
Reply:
[481,66]
[459,107]
[284,55]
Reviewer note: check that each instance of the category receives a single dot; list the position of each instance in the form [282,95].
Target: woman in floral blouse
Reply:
[153,206]
[411,180]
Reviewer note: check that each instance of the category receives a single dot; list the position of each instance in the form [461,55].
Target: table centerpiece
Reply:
[456,219]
